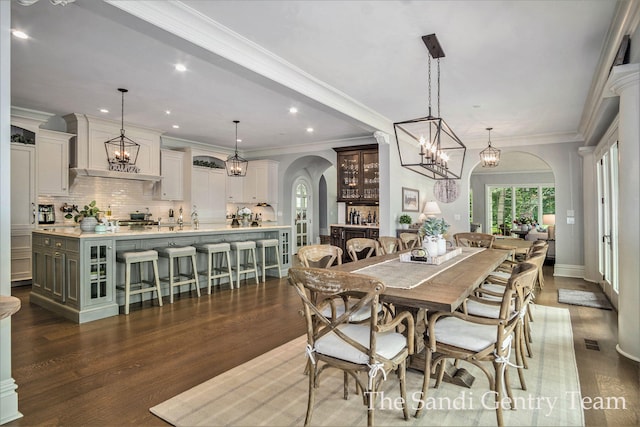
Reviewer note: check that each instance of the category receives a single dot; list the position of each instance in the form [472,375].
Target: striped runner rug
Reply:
[271,390]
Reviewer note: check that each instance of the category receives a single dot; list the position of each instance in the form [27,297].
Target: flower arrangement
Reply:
[244,212]
[524,219]
[434,227]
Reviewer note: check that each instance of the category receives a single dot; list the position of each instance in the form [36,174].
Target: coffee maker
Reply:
[46,214]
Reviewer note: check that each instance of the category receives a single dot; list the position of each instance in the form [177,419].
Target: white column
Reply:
[590,208]
[623,82]
[384,186]
[8,394]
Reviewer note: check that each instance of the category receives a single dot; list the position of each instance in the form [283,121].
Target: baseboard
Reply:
[568,270]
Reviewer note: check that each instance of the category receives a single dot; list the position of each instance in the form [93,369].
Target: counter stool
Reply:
[248,264]
[174,253]
[263,245]
[217,267]
[137,257]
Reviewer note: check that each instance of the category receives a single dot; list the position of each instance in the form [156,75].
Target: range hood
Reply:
[87,156]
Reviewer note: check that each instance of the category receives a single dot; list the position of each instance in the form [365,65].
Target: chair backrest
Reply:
[389,244]
[359,245]
[322,256]
[519,287]
[475,240]
[318,288]
[410,240]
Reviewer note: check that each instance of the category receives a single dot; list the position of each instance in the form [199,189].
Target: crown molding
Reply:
[519,141]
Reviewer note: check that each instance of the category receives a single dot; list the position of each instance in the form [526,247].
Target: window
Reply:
[508,203]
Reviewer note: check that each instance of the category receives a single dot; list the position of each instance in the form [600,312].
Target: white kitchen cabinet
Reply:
[23,208]
[171,187]
[235,189]
[208,193]
[261,182]
[52,155]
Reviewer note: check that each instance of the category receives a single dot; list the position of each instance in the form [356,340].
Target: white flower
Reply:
[245,211]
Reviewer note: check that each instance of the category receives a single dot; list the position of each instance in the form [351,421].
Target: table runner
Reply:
[408,275]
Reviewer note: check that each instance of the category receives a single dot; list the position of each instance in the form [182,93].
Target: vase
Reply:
[524,227]
[88,223]
[430,245]
[404,226]
[245,221]
[442,245]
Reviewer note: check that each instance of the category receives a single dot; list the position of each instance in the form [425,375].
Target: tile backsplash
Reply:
[124,196]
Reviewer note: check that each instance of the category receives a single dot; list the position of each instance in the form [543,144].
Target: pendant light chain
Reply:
[429,85]
[122,113]
[439,88]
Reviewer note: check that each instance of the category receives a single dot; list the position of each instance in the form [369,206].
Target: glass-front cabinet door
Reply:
[358,174]
[99,279]
[370,175]
[349,179]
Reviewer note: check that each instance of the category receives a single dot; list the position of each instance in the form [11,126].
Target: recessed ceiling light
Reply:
[167,112]
[181,67]
[238,140]
[20,34]
[104,110]
[293,110]
[309,130]
[176,126]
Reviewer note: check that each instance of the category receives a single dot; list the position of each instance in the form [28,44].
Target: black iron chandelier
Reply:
[236,165]
[490,156]
[427,145]
[122,152]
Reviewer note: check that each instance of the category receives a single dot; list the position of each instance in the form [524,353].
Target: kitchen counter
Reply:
[75,273]
[355,226]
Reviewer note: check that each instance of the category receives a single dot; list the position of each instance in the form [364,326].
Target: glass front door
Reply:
[607,175]
[302,219]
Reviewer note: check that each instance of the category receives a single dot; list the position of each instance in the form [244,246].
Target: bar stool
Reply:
[247,265]
[216,269]
[137,257]
[174,253]
[263,245]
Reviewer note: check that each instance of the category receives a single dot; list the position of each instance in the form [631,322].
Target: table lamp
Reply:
[431,208]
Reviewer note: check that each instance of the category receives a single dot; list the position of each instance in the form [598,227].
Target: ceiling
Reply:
[522,67]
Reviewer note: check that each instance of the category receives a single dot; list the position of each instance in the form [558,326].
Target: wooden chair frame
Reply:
[316,288]
[410,240]
[389,244]
[316,254]
[476,240]
[358,245]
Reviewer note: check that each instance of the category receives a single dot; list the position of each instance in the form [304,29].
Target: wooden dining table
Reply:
[446,290]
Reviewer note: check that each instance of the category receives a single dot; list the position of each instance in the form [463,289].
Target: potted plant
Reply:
[431,231]
[405,220]
[88,216]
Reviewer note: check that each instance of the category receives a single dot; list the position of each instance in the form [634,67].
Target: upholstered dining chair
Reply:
[360,248]
[476,240]
[372,348]
[410,240]
[389,244]
[322,256]
[474,339]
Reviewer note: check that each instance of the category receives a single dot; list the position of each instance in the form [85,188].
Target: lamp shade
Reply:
[549,219]
[431,208]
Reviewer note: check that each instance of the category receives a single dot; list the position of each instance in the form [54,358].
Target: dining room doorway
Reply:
[302,213]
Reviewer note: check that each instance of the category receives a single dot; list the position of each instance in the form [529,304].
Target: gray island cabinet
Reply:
[75,273]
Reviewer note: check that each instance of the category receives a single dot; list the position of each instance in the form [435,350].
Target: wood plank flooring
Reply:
[111,371]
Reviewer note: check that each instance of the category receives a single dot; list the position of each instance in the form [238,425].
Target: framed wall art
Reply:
[410,200]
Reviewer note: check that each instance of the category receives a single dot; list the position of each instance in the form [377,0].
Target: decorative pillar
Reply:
[386,219]
[590,208]
[623,82]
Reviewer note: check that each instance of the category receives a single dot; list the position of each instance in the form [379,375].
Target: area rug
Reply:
[271,390]
[584,298]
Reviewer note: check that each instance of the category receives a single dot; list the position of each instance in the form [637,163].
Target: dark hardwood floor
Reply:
[111,371]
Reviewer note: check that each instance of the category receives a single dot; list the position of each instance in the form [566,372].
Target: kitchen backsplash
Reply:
[124,196]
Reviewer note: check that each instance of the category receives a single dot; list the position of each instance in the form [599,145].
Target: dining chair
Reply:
[361,248]
[323,256]
[372,348]
[476,240]
[389,244]
[410,240]
[474,339]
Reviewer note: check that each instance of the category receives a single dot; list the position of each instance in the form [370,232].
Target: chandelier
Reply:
[490,156]
[122,152]
[236,165]
[427,145]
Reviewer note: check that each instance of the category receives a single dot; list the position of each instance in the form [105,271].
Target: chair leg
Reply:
[194,270]
[127,288]
[425,381]
[210,259]
[499,369]
[255,266]
[156,278]
[228,256]
[238,256]
[402,376]
[312,392]
[171,280]
[264,263]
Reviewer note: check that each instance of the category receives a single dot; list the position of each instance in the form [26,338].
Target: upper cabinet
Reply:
[358,174]
[171,186]
[260,185]
[88,154]
[52,158]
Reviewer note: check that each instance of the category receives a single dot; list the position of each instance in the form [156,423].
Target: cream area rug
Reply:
[271,390]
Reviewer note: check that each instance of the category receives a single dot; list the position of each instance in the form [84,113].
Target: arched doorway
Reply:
[302,213]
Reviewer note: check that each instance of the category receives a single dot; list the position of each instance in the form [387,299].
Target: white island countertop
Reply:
[155,231]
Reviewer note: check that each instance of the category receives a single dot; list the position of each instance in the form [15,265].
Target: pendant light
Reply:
[122,152]
[427,145]
[490,156]
[236,165]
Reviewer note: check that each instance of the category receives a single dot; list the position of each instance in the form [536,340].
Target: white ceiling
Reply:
[523,67]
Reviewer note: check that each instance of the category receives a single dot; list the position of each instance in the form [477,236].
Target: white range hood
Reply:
[87,154]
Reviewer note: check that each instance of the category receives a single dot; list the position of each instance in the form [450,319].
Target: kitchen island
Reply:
[75,272]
